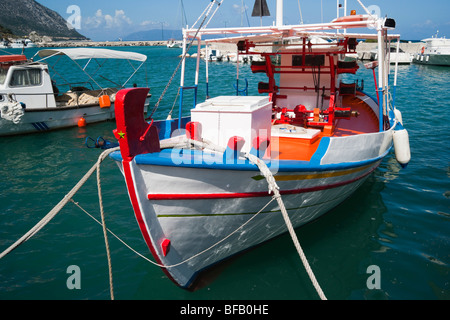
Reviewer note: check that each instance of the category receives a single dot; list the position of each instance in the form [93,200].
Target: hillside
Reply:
[24,16]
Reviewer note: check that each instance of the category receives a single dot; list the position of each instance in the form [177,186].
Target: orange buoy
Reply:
[104,101]
[82,122]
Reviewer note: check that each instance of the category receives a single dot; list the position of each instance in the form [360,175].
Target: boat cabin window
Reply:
[26,77]
[310,60]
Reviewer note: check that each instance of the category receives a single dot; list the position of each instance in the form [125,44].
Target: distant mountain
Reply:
[24,16]
[154,35]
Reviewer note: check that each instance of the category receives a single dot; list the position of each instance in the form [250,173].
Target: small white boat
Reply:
[213,55]
[30,101]
[4,44]
[400,57]
[21,43]
[202,186]
[436,51]
[172,43]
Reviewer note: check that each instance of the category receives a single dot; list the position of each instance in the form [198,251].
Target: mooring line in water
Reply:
[61,204]
[273,187]
[184,261]
[56,209]
[102,214]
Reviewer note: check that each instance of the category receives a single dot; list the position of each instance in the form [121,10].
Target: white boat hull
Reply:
[205,210]
[51,119]
[46,119]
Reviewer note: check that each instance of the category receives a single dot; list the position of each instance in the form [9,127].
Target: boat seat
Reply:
[347,89]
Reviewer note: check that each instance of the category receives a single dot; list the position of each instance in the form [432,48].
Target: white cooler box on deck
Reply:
[226,116]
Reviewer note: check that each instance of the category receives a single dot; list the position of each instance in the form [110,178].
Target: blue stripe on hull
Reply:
[40,126]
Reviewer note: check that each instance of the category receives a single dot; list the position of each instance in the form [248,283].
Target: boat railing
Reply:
[180,111]
[76,86]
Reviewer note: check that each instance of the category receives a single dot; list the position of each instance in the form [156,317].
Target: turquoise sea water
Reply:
[399,220]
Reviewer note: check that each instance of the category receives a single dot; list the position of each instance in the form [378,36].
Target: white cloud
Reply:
[239,8]
[100,20]
[150,23]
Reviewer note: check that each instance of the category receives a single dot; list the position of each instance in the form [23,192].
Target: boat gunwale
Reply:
[163,158]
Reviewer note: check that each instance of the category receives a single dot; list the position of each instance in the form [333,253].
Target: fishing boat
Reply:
[202,186]
[436,51]
[32,101]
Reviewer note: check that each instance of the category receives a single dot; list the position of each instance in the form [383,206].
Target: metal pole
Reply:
[197,68]
[396,72]
[207,71]
[279,21]
[237,72]
[183,63]
[380,73]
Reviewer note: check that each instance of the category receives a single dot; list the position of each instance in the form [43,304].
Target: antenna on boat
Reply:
[300,10]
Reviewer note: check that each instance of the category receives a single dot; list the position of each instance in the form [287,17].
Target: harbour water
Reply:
[398,222]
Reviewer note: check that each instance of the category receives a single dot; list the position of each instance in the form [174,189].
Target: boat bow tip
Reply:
[135,135]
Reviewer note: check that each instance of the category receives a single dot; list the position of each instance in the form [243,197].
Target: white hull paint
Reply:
[197,208]
[45,120]
[200,198]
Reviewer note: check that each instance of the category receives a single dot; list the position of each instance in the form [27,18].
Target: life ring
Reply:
[423,50]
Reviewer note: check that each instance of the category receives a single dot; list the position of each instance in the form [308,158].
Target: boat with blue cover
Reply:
[36,95]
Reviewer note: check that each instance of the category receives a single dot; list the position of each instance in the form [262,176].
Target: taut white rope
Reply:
[58,207]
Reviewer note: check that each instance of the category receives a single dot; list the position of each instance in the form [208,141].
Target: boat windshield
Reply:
[26,77]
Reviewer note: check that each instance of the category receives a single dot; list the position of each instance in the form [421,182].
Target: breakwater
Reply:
[79,44]
[363,48]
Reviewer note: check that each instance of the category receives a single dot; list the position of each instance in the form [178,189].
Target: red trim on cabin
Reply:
[203,196]
[13,58]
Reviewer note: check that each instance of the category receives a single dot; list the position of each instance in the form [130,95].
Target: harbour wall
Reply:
[80,44]
[363,48]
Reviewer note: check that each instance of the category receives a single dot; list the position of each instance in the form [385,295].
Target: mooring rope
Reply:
[49,216]
[273,188]
[102,214]
[57,208]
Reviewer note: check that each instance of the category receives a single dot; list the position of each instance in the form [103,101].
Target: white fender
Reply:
[398,115]
[401,146]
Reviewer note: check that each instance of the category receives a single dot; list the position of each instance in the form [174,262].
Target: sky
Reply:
[103,20]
